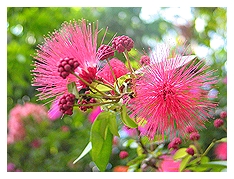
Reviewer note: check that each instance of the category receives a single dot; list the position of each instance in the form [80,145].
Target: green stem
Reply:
[198,146]
[209,147]
[93,87]
[224,128]
[96,104]
[132,74]
[140,142]
[113,74]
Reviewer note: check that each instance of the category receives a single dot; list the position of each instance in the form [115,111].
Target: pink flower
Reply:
[94,113]
[221,151]
[165,96]
[73,41]
[130,131]
[168,164]
[118,67]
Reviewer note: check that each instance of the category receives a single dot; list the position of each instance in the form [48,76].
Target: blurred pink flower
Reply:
[221,151]
[10,167]
[130,131]
[118,67]
[169,96]
[94,113]
[168,164]
[65,128]
[17,117]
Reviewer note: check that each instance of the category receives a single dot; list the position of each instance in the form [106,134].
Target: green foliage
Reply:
[101,139]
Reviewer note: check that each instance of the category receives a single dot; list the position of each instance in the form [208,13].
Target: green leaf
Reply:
[181,153]
[103,88]
[85,151]
[113,125]
[101,139]
[126,119]
[184,162]
[204,159]
[137,160]
[122,79]
[71,87]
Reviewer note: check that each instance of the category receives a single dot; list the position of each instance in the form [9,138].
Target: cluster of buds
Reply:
[66,103]
[174,144]
[122,43]
[104,52]
[86,102]
[145,60]
[218,123]
[66,66]
[194,136]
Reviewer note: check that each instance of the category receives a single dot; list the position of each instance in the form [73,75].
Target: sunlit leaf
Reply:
[101,139]
[184,162]
[180,153]
[85,151]
[126,119]
[113,124]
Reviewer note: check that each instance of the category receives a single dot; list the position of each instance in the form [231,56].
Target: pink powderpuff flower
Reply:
[74,41]
[168,164]
[169,96]
[118,67]
[221,151]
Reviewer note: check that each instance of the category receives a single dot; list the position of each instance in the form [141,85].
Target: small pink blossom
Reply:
[221,151]
[118,67]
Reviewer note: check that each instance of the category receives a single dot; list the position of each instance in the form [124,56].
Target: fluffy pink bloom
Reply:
[74,40]
[118,67]
[168,164]
[169,95]
[17,117]
[221,151]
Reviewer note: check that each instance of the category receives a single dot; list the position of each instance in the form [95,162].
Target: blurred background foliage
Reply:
[203,28]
